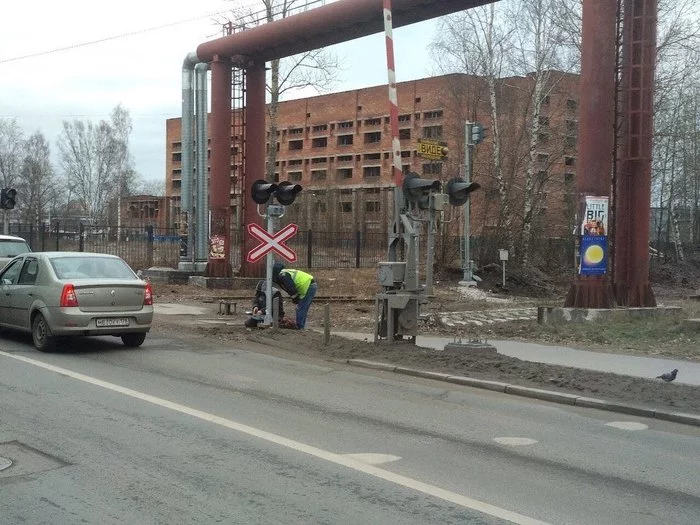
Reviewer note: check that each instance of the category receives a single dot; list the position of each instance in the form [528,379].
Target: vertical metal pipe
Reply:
[254,159]
[201,102]
[596,137]
[220,179]
[632,286]
[187,150]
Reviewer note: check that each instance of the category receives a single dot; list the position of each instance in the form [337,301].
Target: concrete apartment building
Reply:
[338,147]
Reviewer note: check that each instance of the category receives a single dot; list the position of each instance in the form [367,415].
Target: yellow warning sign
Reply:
[432,149]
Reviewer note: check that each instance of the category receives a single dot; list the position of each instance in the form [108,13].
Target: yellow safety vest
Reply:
[302,281]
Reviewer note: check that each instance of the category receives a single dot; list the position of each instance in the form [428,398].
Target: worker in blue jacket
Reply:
[301,286]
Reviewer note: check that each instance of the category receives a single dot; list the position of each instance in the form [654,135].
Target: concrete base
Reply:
[467,283]
[555,314]
[230,283]
[167,275]
[471,347]
[692,324]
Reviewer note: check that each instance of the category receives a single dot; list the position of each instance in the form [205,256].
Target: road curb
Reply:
[535,393]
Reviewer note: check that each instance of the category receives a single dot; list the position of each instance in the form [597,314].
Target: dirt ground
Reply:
[350,296]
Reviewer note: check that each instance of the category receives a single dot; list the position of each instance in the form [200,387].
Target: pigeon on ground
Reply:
[668,376]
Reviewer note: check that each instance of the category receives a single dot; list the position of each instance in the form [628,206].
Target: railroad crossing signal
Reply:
[272,242]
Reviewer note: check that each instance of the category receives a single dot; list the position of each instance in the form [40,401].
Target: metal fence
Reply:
[148,246]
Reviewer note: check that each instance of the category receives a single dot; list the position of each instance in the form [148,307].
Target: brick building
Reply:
[338,147]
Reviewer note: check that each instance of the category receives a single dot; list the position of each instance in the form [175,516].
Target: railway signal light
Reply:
[7,198]
[458,190]
[285,191]
[418,190]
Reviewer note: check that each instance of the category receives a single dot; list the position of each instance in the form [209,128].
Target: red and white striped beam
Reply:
[393,100]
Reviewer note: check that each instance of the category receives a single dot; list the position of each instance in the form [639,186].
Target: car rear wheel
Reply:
[133,340]
[44,341]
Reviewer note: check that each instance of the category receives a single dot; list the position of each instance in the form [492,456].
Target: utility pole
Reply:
[468,278]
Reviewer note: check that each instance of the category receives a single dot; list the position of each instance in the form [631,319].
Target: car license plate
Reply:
[112,321]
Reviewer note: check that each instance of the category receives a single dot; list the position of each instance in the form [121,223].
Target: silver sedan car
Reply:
[57,294]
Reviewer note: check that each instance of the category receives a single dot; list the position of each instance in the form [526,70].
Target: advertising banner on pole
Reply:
[593,251]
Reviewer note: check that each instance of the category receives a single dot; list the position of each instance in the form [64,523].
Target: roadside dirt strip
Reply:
[536,393]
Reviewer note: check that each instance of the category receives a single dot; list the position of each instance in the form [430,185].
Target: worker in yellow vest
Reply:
[301,286]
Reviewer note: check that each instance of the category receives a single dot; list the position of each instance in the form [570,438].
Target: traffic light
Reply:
[7,198]
[418,190]
[458,190]
[478,133]
[287,192]
[262,191]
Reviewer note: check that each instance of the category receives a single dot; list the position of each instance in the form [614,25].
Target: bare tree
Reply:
[38,186]
[539,53]
[95,161]
[317,69]
[474,42]
[11,144]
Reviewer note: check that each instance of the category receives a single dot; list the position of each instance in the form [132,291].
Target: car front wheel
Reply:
[41,334]
[133,340]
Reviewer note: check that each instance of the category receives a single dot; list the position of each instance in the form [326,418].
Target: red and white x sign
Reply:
[273,242]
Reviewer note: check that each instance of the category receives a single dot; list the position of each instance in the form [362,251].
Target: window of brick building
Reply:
[373,137]
[371,172]
[319,142]
[296,131]
[543,157]
[319,160]
[320,207]
[295,162]
[373,156]
[571,104]
[318,175]
[570,141]
[432,114]
[432,132]
[405,118]
[320,127]
[343,174]
[345,207]
[569,178]
[177,157]
[570,161]
[346,125]
[373,121]
[345,140]
[373,206]
[344,158]
[405,134]
[432,168]
[295,145]
[294,176]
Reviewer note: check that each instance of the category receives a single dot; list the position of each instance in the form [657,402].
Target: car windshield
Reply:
[13,247]
[91,268]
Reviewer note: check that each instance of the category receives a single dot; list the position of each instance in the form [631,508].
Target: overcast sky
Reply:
[142,70]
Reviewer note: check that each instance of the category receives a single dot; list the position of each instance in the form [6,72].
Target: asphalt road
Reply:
[188,431]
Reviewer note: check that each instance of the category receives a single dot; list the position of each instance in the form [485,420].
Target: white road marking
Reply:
[371,458]
[338,459]
[515,441]
[627,425]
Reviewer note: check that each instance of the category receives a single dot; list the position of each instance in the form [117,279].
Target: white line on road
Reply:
[338,459]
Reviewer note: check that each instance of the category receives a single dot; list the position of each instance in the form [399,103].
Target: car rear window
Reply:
[91,268]
[12,248]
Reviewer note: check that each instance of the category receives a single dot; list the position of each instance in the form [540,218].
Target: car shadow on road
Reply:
[69,345]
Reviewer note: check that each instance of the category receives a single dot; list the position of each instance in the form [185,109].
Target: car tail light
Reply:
[148,295]
[68,297]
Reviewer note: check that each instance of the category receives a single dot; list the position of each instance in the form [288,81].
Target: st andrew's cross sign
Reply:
[272,242]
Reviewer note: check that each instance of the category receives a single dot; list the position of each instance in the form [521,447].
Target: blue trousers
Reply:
[304,304]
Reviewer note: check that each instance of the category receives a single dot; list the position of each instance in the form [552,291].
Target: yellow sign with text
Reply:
[432,149]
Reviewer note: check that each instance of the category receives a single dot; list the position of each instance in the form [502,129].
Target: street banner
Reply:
[593,245]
